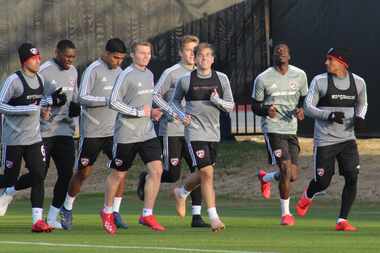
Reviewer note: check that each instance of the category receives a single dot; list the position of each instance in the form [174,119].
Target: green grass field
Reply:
[252,226]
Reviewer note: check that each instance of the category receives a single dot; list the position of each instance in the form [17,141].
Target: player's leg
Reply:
[348,161]
[34,156]
[89,149]
[324,166]
[25,181]
[264,177]
[12,156]
[150,152]
[171,152]
[196,194]
[123,156]
[107,150]
[63,154]
[204,154]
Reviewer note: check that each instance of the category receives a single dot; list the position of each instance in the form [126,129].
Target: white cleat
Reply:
[54,224]
[5,200]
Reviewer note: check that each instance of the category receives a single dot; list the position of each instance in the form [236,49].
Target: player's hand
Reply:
[215,93]
[59,98]
[187,120]
[336,117]
[272,111]
[147,110]
[300,114]
[359,124]
[46,113]
[175,119]
[156,114]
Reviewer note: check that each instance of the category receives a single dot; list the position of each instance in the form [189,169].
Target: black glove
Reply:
[336,117]
[59,98]
[74,109]
[359,125]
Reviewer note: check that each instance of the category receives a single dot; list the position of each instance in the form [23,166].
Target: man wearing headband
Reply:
[337,100]
[277,97]
[20,99]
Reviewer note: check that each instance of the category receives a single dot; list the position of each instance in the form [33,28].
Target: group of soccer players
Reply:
[337,101]
[117,110]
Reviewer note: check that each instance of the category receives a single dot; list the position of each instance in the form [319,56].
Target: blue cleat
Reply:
[66,218]
[119,221]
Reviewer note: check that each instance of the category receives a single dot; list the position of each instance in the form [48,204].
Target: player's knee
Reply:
[206,175]
[155,173]
[82,175]
[174,175]
[285,169]
[38,176]
[294,178]
[351,178]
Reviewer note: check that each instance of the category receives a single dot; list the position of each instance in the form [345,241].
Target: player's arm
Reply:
[299,111]
[361,106]
[10,90]
[119,90]
[87,84]
[226,103]
[180,90]
[161,88]
[258,95]
[74,107]
[311,102]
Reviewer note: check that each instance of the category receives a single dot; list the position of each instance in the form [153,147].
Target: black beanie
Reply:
[341,54]
[27,50]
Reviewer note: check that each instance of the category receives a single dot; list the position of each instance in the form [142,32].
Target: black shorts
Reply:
[125,153]
[61,149]
[89,149]
[345,153]
[33,155]
[282,147]
[175,148]
[203,153]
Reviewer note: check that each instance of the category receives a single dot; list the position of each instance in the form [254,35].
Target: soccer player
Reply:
[277,97]
[171,131]
[58,129]
[97,125]
[337,101]
[206,93]
[134,134]
[20,99]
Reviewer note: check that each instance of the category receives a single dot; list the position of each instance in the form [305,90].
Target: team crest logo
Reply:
[118,162]
[84,161]
[72,82]
[320,172]
[278,153]
[293,85]
[9,164]
[200,153]
[174,161]
[43,153]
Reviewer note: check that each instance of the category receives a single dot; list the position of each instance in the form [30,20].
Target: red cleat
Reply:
[108,222]
[287,220]
[150,221]
[265,186]
[303,205]
[41,227]
[345,226]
